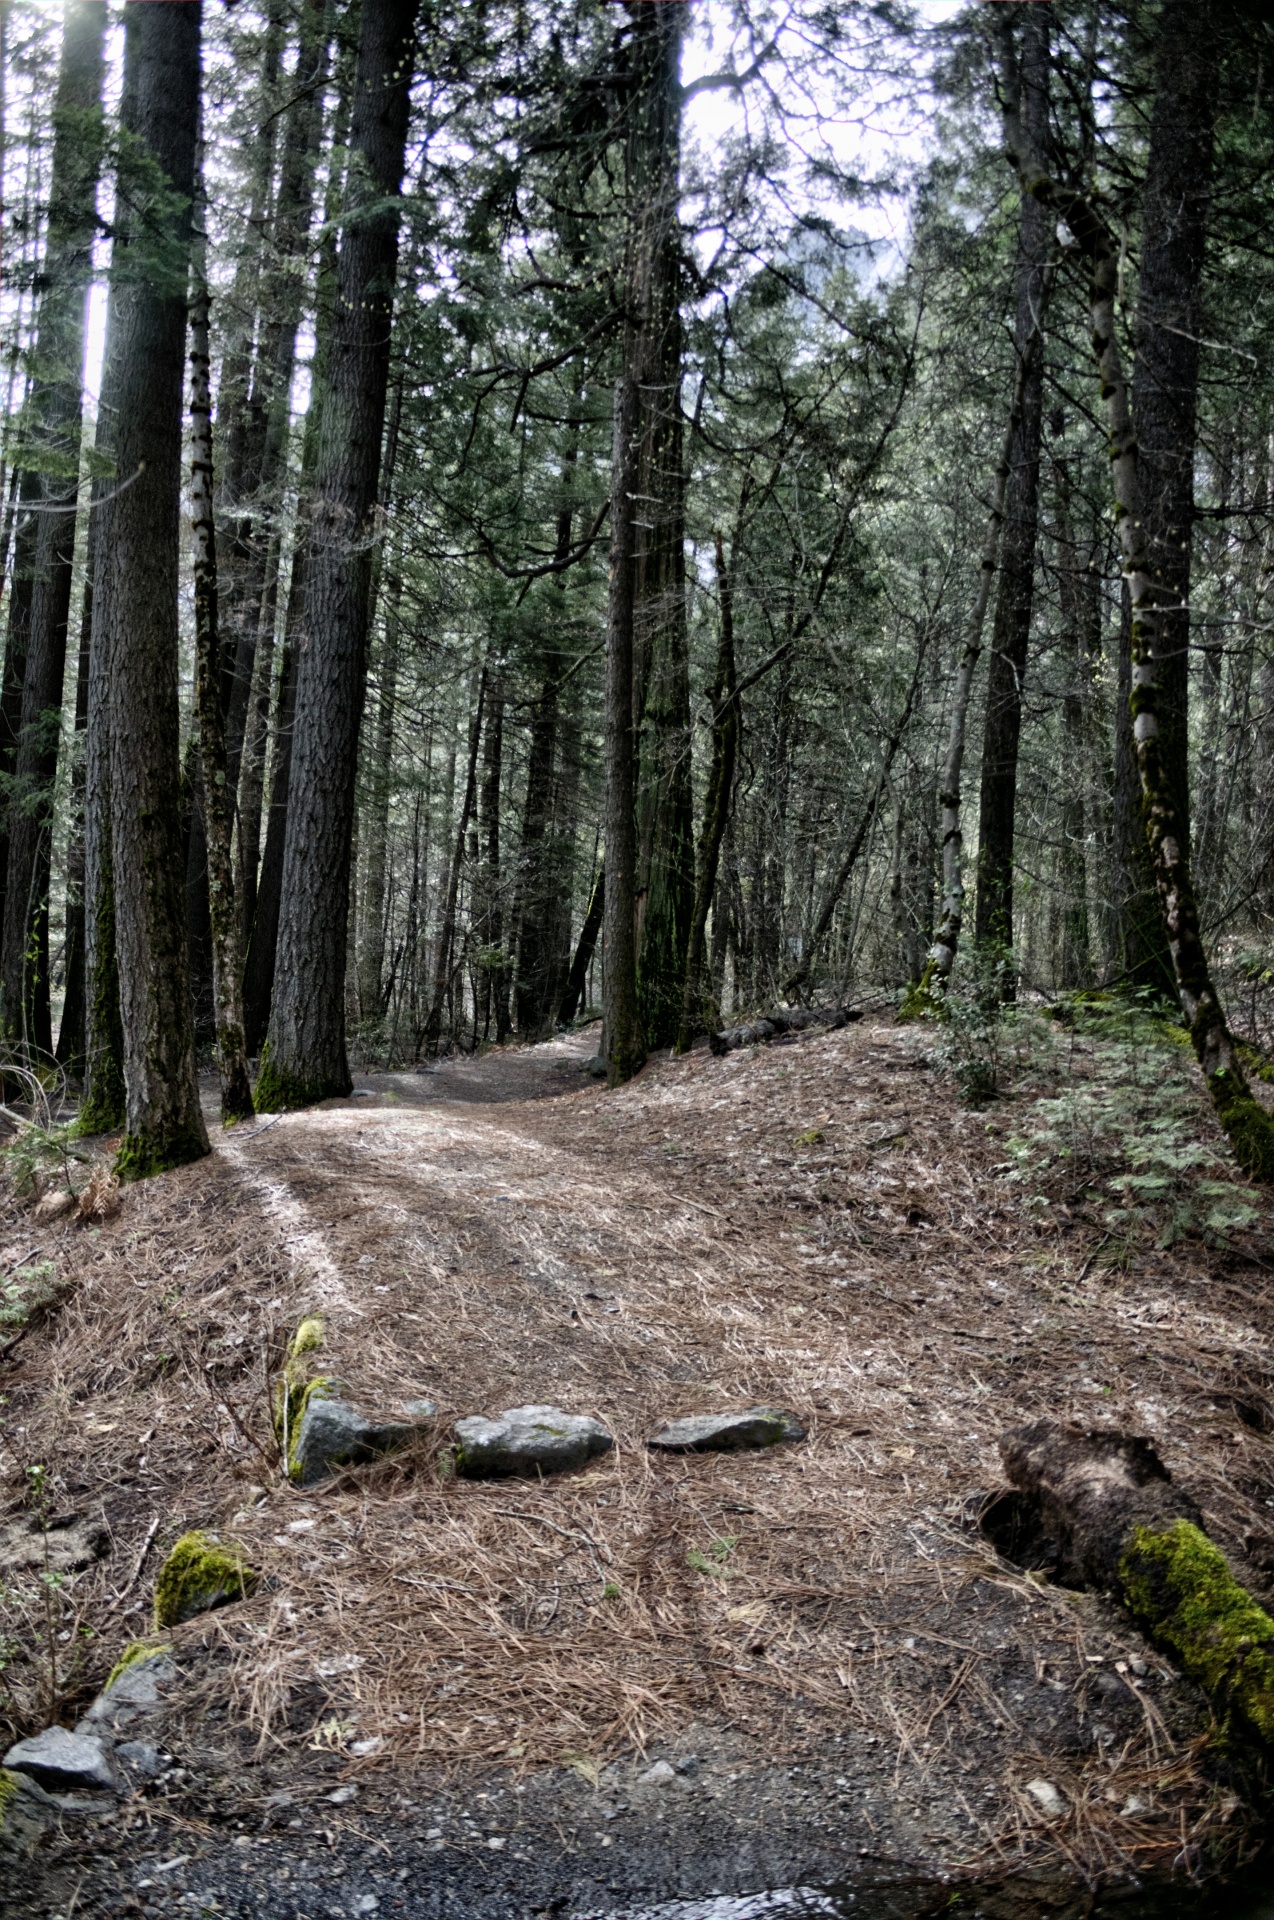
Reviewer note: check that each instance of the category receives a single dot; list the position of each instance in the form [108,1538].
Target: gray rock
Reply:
[334,1434]
[140,1757]
[26,1813]
[524,1439]
[723,1432]
[660,1775]
[138,1691]
[59,1759]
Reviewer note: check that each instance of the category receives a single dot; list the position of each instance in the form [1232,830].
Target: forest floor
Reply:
[443,1697]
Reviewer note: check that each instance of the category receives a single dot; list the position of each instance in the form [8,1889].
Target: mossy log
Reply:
[1115,1521]
[782,1020]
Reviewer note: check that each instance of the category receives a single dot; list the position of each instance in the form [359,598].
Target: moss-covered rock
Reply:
[26,1812]
[135,1654]
[294,1386]
[1179,1590]
[199,1574]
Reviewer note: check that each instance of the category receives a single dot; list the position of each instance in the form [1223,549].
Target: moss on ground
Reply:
[294,1389]
[199,1574]
[1178,1588]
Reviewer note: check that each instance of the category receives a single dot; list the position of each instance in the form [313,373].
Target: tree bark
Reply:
[577,979]
[371,960]
[1165,385]
[942,953]
[232,1059]
[447,929]
[56,414]
[71,1041]
[993,920]
[136,595]
[697,1015]
[493,974]
[1248,1126]
[306,1058]
[665,880]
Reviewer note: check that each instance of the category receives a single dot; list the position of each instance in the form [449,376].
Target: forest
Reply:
[637,775]
[496,531]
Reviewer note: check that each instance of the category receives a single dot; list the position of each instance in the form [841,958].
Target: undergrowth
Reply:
[1115,1116]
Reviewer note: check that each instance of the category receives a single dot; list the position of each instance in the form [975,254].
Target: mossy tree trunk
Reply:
[136,589]
[1248,1126]
[55,417]
[232,1059]
[306,1059]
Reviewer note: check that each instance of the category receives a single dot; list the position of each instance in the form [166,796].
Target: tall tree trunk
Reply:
[447,930]
[1074,957]
[946,941]
[577,979]
[493,988]
[54,433]
[664,800]
[70,1044]
[1165,384]
[263,939]
[1247,1125]
[306,1058]
[371,958]
[1010,635]
[696,1014]
[232,1059]
[136,593]
[622,1046]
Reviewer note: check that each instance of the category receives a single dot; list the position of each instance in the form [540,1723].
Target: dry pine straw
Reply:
[817,1225]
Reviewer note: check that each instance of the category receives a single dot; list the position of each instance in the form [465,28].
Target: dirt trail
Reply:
[845,1676]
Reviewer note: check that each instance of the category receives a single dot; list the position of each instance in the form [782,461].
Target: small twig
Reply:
[1083,1272]
[140,1562]
[567,1533]
[244,1430]
[405,1579]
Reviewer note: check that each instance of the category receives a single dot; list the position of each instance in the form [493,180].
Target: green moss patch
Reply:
[198,1575]
[145,1154]
[278,1091]
[1182,1594]
[294,1389]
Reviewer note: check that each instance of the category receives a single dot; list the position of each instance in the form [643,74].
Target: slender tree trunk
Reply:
[55,428]
[1165,385]
[942,953]
[263,945]
[492,986]
[1074,960]
[232,1060]
[622,1046]
[70,1046]
[794,987]
[697,1015]
[577,979]
[447,929]
[306,1057]
[1249,1128]
[371,961]
[136,597]
[993,923]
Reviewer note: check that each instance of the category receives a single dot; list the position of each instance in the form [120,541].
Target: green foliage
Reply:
[1180,1591]
[983,1036]
[40,1153]
[715,1558]
[1126,1123]
[29,1292]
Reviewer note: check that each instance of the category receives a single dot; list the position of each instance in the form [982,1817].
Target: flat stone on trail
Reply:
[523,1439]
[334,1434]
[724,1432]
[63,1761]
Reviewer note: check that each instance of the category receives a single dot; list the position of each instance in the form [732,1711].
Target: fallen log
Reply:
[785,1020]
[1113,1519]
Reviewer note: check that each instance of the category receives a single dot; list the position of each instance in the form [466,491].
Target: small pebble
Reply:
[343,1796]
